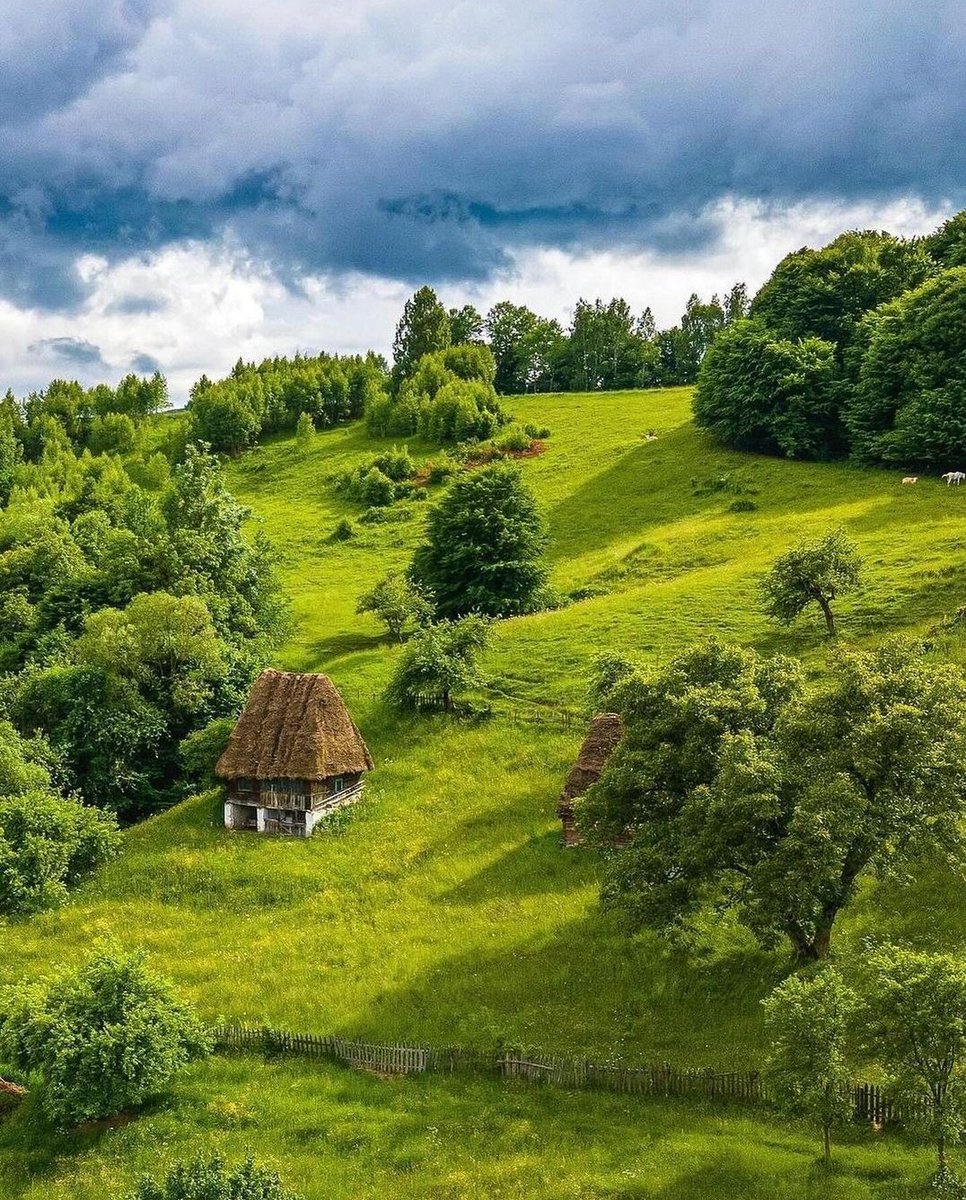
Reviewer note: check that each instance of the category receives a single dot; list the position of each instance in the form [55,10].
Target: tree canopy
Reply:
[741,787]
[484,546]
[816,571]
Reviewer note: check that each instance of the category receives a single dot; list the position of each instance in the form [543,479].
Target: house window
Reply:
[338,785]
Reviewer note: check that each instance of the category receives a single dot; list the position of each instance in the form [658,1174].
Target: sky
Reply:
[183,182]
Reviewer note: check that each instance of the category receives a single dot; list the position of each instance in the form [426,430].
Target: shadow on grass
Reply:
[538,867]
[33,1149]
[559,991]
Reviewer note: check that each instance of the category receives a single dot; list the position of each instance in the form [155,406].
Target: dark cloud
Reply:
[69,349]
[421,140]
[145,364]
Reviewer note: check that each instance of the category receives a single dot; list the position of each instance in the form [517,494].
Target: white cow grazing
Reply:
[954,477]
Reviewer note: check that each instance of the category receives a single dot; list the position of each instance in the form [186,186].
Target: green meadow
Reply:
[443,908]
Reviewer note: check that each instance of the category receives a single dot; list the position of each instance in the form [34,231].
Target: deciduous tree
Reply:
[439,661]
[484,547]
[915,1024]
[809,1066]
[740,788]
[816,571]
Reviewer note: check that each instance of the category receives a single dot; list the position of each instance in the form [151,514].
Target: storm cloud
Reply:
[76,351]
[421,140]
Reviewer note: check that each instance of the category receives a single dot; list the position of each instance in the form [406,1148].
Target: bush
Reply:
[211,1179]
[103,1039]
[514,439]
[47,845]
[200,751]
[539,432]
[304,428]
[385,516]
[376,489]
[440,469]
[344,531]
[740,506]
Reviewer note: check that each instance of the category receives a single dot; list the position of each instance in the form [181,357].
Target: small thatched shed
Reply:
[606,730]
[294,755]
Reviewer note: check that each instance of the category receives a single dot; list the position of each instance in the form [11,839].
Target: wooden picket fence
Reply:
[870,1103]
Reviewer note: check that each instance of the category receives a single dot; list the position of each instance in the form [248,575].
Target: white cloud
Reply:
[196,308]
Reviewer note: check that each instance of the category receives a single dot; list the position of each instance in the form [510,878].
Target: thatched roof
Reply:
[294,727]
[606,730]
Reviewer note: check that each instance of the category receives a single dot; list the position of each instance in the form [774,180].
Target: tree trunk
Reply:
[827,1143]
[446,700]
[827,610]
[811,949]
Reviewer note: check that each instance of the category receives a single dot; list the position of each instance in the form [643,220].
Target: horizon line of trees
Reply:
[854,350]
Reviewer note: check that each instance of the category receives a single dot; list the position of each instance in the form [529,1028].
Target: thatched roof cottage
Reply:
[606,730]
[294,756]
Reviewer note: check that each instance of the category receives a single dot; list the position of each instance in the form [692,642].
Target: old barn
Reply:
[294,756]
[606,730]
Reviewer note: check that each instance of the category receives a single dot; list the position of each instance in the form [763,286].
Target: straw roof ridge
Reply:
[294,726]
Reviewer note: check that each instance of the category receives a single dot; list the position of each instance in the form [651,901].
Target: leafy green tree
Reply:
[439,661]
[223,420]
[423,328]
[199,751]
[104,1038]
[465,325]
[906,407]
[825,293]
[756,392]
[816,571]
[304,428]
[915,1024]
[809,1022]
[606,350]
[484,547]
[947,246]
[742,789]
[396,603]
[9,454]
[206,1178]
[736,303]
[47,845]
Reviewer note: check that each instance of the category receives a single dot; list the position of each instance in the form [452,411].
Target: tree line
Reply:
[854,350]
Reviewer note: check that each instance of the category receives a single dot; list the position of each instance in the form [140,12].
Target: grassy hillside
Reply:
[444,909]
[333,1133]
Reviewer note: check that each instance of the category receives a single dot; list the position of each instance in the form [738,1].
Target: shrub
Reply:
[304,428]
[740,506]
[47,845]
[440,469]
[104,1038]
[514,439]
[539,432]
[200,751]
[344,531]
[376,489]
[212,1179]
